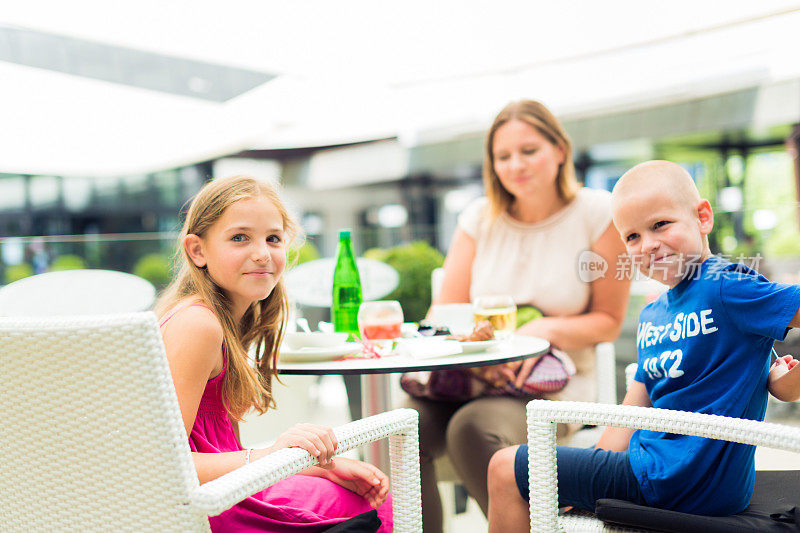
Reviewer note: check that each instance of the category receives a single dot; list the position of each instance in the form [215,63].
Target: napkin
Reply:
[427,348]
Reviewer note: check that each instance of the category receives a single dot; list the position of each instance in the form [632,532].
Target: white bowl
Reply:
[317,339]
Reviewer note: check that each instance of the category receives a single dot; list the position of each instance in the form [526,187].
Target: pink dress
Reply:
[297,504]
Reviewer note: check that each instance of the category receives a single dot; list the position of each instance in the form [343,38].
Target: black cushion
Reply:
[363,523]
[775,506]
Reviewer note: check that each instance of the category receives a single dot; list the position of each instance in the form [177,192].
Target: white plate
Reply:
[478,346]
[307,355]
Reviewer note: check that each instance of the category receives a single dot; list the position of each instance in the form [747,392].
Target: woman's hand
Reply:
[541,327]
[497,375]
[362,478]
[319,441]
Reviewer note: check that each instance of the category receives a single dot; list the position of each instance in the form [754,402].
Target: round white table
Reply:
[375,385]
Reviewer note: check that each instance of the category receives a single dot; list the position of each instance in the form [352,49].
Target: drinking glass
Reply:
[380,324]
[500,310]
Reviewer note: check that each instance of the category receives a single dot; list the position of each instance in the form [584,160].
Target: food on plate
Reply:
[483,331]
[429,329]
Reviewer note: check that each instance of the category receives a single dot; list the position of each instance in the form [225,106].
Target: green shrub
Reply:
[68,262]
[783,244]
[414,263]
[155,268]
[17,272]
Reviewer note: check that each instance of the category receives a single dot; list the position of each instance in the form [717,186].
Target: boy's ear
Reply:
[705,215]
[194,249]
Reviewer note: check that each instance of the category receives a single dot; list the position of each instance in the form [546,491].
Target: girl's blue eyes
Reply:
[241,237]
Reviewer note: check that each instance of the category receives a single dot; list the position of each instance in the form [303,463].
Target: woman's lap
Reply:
[585,475]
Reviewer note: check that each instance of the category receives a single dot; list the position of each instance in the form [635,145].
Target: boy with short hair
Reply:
[703,346]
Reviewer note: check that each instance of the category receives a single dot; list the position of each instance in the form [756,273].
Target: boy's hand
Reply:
[784,379]
[362,478]
[781,366]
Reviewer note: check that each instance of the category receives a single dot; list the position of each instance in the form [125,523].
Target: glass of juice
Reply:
[500,310]
[380,323]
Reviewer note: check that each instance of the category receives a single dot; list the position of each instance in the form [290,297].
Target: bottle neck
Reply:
[345,250]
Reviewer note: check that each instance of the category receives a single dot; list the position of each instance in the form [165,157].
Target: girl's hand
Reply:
[319,441]
[362,478]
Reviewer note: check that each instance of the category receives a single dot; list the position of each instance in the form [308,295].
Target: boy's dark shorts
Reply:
[584,476]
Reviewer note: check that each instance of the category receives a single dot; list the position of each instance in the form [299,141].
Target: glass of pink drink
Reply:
[380,325]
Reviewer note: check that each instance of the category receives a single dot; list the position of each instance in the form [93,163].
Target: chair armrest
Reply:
[606,370]
[543,416]
[400,425]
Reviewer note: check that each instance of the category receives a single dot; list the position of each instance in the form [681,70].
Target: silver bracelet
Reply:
[247,456]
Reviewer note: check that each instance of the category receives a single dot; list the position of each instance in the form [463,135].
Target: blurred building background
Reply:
[372,117]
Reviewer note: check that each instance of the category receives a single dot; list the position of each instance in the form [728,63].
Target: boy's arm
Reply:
[784,379]
[795,321]
[617,439]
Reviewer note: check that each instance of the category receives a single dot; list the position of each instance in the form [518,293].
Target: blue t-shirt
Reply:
[705,346]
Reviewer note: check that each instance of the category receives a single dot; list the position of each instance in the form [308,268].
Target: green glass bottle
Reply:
[346,288]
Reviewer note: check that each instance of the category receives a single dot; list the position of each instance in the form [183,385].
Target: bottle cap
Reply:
[344,234]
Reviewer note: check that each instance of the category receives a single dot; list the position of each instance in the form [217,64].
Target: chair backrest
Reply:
[76,292]
[91,436]
[437,277]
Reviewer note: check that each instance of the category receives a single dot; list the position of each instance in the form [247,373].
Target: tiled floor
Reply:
[307,399]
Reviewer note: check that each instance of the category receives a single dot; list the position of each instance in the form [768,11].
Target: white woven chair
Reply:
[543,416]
[92,439]
[76,292]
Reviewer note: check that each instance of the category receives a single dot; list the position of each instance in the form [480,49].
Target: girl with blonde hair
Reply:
[229,295]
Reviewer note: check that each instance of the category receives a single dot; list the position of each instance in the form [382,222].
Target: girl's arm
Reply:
[608,301]
[193,342]
[617,439]
[457,269]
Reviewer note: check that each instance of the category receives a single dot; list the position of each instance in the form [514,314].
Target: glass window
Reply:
[77,193]
[168,185]
[44,191]
[12,191]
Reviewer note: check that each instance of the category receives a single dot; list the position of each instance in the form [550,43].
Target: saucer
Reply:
[478,346]
[309,354]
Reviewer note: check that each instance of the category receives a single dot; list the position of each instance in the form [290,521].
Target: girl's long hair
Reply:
[537,115]
[245,385]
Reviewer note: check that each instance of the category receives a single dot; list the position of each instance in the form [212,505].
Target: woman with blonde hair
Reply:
[525,239]
[229,295]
